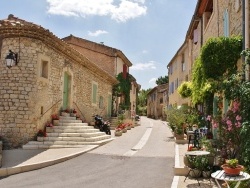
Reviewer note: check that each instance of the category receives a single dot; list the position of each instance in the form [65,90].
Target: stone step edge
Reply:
[47,146]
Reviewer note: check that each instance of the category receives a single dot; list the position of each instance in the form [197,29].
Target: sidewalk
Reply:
[180,172]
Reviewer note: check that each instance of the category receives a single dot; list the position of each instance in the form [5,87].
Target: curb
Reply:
[34,166]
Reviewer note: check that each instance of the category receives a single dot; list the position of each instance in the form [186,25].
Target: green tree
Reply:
[162,80]
[142,101]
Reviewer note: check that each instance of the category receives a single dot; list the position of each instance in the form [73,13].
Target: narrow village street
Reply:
[141,158]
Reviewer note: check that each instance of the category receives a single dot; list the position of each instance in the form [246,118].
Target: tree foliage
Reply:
[142,101]
[162,80]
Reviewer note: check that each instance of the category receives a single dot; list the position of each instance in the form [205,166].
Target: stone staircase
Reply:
[113,123]
[69,133]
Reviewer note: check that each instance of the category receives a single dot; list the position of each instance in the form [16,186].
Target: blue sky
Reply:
[148,32]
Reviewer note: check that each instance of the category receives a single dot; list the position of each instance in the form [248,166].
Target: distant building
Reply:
[157,102]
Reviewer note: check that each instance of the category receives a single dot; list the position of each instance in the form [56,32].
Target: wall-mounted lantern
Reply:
[11,59]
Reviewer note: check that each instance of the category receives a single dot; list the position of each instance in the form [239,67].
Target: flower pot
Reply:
[186,162]
[118,133]
[232,171]
[195,173]
[124,130]
[179,136]
[128,127]
[206,174]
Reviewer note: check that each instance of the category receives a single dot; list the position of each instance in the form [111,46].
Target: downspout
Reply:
[246,33]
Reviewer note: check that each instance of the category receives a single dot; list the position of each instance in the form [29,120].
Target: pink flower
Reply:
[229,122]
[238,118]
[208,118]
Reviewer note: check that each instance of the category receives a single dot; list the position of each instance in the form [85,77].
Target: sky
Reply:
[148,32]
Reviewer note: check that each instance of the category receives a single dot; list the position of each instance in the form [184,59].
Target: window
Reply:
[183,66]
[161,100]
[208,13]
[94,93]
[44,69]
[226,23]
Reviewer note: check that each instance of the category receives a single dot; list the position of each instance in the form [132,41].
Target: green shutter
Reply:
[94,93]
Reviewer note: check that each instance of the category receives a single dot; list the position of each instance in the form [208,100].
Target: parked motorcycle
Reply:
[102,125]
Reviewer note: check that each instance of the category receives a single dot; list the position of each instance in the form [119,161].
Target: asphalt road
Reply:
[141,158]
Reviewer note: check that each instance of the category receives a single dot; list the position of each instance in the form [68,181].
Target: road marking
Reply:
[141,142]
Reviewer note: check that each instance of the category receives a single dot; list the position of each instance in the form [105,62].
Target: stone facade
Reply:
[155,102]
[212,18]
[35,88]
[109,59]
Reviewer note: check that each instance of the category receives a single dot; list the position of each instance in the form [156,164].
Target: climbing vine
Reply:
[123,88]
[217,60]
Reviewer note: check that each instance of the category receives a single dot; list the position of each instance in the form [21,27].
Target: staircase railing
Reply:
[50,108]
[78,109]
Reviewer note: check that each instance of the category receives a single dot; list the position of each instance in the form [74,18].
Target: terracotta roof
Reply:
[103,49]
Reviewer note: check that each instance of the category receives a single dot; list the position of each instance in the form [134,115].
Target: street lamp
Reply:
[11,59]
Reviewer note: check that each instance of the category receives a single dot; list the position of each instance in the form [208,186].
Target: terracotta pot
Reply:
[118,133]
[232,171]
[179,136]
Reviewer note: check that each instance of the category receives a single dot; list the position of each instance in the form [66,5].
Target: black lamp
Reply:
[11,59]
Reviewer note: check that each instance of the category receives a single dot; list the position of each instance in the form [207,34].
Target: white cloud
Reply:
[144,51]
[97,33]
[143,66]
[125,10]
[152,82]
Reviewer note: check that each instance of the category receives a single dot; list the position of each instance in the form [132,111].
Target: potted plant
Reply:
[55,119]
[65,112]
[195,165]
[232,167]
[205,167]
[73,113]
[118,131]
[40,134]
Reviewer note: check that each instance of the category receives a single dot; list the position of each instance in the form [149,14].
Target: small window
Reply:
[45,69]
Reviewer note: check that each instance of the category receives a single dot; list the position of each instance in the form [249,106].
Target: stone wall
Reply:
[25,95]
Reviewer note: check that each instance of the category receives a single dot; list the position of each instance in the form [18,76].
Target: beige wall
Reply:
[213,28]
[24,94]
[180,74]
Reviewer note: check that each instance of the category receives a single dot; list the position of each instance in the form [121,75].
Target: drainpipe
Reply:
[246,34]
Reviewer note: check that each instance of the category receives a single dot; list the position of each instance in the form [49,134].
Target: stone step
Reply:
[42,145]
[72,124]
[73,140]
[68,130]
[71,121]
[74,134]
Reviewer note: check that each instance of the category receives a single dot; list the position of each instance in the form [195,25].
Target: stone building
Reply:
[48,75]
[211,18]
[155,102]
[111,60]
